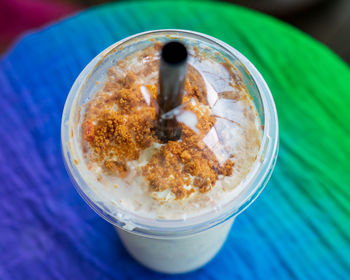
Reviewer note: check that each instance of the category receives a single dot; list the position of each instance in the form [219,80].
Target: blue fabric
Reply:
[290,232]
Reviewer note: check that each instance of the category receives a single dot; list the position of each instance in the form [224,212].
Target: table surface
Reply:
[299,228]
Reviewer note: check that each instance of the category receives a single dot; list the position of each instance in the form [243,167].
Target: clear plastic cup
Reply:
[182,245]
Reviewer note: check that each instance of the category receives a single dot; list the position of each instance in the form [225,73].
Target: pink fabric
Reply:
[17,16]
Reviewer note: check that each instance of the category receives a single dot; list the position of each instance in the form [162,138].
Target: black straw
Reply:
[172,73]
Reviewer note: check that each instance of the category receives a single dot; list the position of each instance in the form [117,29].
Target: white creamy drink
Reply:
[130,175]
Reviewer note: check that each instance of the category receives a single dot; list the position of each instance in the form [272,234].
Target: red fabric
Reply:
[16,16]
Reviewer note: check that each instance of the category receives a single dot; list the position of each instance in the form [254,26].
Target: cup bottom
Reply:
[176,255]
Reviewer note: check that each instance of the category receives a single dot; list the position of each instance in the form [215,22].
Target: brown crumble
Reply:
[124,133]
[237,76]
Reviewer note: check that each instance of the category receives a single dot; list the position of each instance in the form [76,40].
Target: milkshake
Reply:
[173,203]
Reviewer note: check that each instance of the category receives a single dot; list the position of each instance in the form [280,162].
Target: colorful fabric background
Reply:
[16,16]
[299,228]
